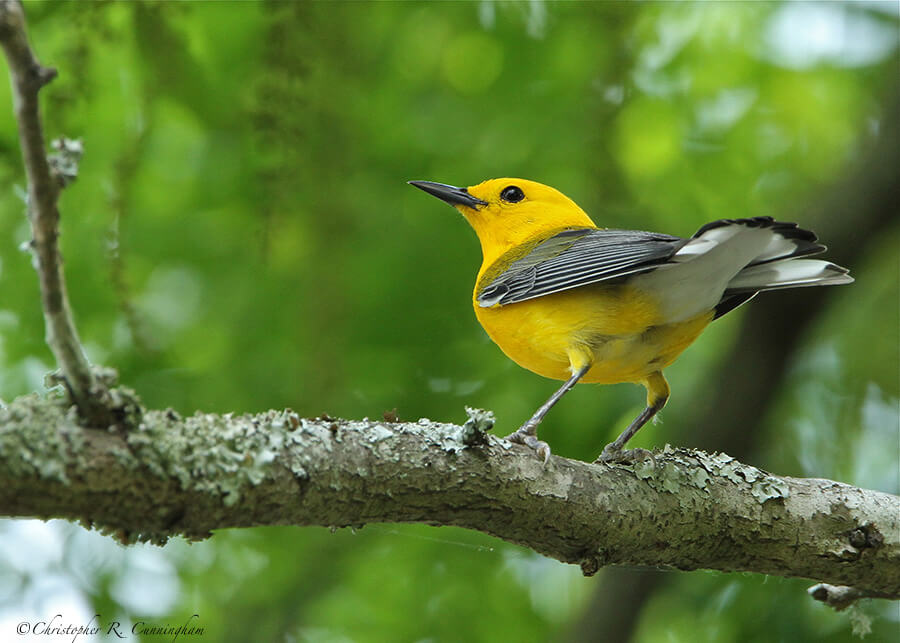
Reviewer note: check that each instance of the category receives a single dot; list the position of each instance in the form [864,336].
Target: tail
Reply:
[778,265]
[727,262]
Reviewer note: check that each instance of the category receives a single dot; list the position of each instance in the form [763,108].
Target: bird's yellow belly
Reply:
[616,328]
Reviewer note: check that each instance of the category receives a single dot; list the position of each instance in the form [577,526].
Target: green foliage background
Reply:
[241,237]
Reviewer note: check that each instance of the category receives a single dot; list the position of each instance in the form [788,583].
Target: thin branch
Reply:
[28,77]
[187,476]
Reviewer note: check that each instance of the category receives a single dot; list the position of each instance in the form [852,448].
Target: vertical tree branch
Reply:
[28,77]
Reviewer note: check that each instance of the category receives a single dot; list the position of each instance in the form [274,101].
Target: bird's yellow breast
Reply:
[617,328]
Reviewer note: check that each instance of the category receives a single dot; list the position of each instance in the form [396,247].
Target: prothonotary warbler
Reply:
[574,302]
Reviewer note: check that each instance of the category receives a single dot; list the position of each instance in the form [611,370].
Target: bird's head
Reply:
[506,213]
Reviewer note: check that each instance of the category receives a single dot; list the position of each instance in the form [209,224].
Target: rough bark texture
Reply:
[687,510]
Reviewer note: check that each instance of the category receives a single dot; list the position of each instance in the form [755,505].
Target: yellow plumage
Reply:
[615,328]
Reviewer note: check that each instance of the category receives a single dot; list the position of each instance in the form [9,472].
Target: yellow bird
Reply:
[574,302]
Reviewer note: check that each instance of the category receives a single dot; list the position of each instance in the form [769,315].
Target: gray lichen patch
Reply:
[40,437]
[678,468]
[475,428]
[451,438]
[217,453]
[672,472]
[769,488]
[763,486]
[671,476]
[379,433]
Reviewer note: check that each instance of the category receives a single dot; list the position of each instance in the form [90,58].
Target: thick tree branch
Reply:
[28,77]
[187,476]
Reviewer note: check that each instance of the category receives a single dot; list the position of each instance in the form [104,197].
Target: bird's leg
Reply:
[527,433]
[657,394]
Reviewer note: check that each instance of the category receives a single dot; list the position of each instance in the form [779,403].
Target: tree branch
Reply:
[44,184]
[690,510]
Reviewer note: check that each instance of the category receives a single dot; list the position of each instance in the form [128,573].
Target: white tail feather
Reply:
[789,273]
[779,247]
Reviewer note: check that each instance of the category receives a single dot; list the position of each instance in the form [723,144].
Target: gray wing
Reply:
[576,258]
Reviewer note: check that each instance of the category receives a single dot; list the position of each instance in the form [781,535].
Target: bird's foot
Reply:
[625,456]
[526,435]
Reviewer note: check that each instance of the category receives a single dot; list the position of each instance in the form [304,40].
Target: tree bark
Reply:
[685,510]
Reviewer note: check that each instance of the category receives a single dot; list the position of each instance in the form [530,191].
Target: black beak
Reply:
[449,194]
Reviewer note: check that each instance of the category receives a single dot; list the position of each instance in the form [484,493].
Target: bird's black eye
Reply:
[512,194]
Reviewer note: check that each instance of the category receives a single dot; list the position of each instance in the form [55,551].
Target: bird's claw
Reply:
[529,439]
[625,456]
